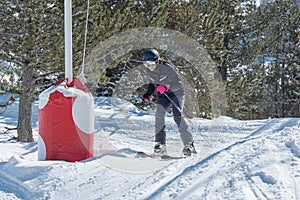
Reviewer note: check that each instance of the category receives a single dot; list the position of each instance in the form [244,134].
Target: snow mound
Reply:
[295,149]
[236,159]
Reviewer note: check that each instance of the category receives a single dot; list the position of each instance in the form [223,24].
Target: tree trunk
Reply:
[24,116]
[297,2]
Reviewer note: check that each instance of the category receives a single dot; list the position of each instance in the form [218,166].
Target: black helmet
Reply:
[150,55]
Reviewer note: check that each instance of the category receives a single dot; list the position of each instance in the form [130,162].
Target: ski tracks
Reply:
[10,184]
[185,180]
[192,177]
[237,171]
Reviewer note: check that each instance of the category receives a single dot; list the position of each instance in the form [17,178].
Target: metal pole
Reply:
[172,102]
[68,40]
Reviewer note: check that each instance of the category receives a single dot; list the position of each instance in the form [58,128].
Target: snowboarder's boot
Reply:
[189,149]
[160,148]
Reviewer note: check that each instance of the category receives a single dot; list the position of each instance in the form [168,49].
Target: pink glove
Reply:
[146,100]
[162,88]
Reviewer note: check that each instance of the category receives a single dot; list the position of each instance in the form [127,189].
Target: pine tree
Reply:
[265,84]
[113,17]
[286,54]
[32,41]
[215,25]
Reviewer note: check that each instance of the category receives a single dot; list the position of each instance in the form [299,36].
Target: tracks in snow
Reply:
[185,181]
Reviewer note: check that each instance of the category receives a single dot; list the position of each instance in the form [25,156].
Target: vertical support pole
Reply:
[68,40]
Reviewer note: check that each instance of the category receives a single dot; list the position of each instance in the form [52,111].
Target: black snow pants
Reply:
[162,106]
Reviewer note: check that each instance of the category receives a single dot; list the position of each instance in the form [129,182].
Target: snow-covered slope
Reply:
[236,160]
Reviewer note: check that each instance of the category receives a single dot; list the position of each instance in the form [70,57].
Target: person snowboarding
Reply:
[170,91]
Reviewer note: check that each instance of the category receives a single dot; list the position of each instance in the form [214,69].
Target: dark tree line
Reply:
[256,49]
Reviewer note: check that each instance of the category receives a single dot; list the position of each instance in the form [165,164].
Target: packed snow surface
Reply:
[236,159]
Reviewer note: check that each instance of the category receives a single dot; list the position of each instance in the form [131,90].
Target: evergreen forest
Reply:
[256,50]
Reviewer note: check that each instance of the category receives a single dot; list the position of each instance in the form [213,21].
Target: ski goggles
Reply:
[149,63]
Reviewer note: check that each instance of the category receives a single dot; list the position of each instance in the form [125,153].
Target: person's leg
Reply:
[185,135]
[162,106]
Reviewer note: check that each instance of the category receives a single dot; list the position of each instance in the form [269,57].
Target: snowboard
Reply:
[141,154]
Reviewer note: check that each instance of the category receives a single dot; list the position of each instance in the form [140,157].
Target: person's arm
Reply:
[174,79]
[150,91]
[151,88]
